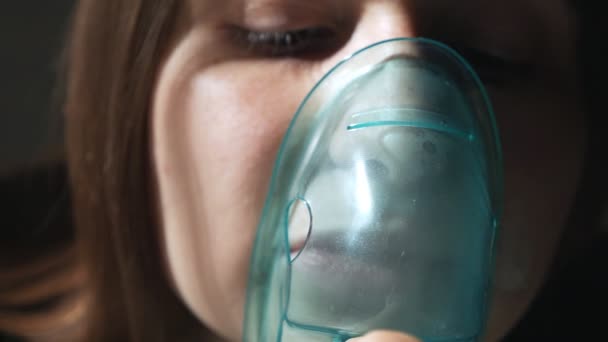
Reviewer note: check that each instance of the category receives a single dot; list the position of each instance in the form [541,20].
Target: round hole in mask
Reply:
[299,226]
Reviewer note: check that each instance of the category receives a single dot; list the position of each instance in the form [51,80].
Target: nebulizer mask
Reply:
[383,205]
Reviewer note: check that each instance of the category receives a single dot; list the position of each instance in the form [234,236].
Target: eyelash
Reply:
[310,42]
[294,43]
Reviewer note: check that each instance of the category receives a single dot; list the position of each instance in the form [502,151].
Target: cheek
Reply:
[236,125]
[215,143]
[543,145]
[543,138]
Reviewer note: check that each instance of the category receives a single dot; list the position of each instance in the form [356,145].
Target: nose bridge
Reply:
[383,19]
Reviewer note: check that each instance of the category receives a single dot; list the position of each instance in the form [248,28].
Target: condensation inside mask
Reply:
[383,206]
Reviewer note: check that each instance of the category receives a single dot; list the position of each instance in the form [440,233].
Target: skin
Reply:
[382,336]
[221,108]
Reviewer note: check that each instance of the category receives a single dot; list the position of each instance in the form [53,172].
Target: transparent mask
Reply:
[384,203]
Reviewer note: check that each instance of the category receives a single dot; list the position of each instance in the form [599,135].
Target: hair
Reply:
[40,279]
[115,50]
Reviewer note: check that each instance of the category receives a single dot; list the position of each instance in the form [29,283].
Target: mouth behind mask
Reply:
[383,205]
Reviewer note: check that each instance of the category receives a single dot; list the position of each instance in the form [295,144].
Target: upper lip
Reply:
[366,248]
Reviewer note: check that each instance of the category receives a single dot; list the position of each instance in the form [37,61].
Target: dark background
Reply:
[32,37]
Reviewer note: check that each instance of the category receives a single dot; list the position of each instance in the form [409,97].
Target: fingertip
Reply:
[384,336]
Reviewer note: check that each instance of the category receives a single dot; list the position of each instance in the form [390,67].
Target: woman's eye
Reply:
[495,69]
[317,41]
[307,42]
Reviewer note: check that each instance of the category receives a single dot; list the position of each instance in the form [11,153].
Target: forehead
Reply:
[464,5]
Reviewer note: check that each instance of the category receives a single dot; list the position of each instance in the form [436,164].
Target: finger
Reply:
[384,336]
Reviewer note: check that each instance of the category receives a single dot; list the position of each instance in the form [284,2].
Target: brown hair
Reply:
[116,49]
[40,279]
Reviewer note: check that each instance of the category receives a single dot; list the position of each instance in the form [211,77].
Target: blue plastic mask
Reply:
[383,205]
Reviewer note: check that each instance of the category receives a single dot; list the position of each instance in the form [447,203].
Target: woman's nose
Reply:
[380,20]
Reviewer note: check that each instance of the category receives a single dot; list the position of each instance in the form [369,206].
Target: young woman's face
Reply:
[230,86]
